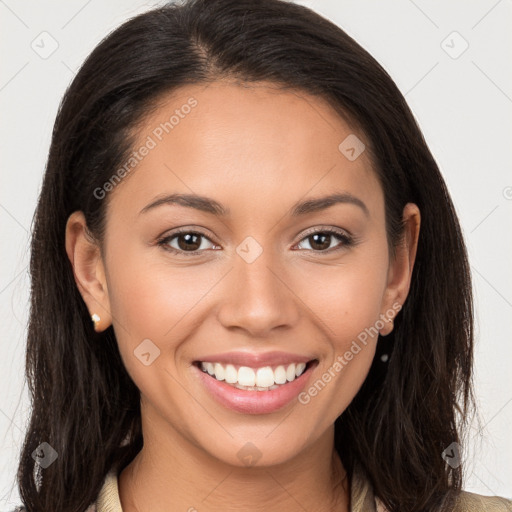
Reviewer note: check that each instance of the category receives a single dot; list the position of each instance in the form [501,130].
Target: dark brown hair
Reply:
[85,405]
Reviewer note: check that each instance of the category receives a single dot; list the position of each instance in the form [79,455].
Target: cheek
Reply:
[348,296]
[347,300]
[152,300]
[149,296]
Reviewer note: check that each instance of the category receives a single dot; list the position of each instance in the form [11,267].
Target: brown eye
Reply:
[188,241]
[321,241]
[185,242]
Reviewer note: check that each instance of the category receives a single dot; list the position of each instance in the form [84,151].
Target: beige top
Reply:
[362,499]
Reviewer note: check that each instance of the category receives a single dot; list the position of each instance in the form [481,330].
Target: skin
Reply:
[256,150]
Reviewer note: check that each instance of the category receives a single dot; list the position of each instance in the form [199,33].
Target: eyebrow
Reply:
[208,205]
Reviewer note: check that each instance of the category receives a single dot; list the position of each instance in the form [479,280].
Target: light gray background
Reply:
[463,106]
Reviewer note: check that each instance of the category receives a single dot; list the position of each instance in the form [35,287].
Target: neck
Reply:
[170,473]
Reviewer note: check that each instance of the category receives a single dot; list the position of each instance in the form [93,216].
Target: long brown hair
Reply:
[85,405]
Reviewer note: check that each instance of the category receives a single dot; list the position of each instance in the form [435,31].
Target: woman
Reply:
[250,289]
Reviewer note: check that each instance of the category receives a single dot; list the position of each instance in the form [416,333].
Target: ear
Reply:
[85,256]
[400,268]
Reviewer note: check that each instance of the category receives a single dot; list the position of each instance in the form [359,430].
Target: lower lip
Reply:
[255,402]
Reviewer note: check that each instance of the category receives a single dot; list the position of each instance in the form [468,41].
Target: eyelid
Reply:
[322,229]
[185,229]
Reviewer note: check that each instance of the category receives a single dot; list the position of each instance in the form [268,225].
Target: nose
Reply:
[257,297]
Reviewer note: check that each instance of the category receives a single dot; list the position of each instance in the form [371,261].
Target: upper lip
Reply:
[256,360]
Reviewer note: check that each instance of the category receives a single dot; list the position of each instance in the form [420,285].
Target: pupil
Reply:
[189,243]
[324,245]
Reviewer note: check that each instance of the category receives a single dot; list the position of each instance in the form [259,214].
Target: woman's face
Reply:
[255,271]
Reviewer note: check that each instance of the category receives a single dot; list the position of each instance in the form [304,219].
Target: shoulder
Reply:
[363,498]
[471,502]
[108,498]
[92,508]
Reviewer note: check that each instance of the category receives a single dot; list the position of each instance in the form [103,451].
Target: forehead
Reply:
[241,143]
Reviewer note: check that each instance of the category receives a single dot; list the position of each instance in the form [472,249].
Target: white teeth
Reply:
[246,376]
[219,371]
[280,375]
[210,368]
[290,373]
[259,379]
[255,388]
[231,374]
[299,369]
[264,377]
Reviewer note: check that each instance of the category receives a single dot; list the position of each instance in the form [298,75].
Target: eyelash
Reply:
[347,241]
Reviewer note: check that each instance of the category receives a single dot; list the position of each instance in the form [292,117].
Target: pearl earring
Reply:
[95,318]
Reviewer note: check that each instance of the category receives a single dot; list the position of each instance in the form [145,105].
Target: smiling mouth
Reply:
[264,378]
